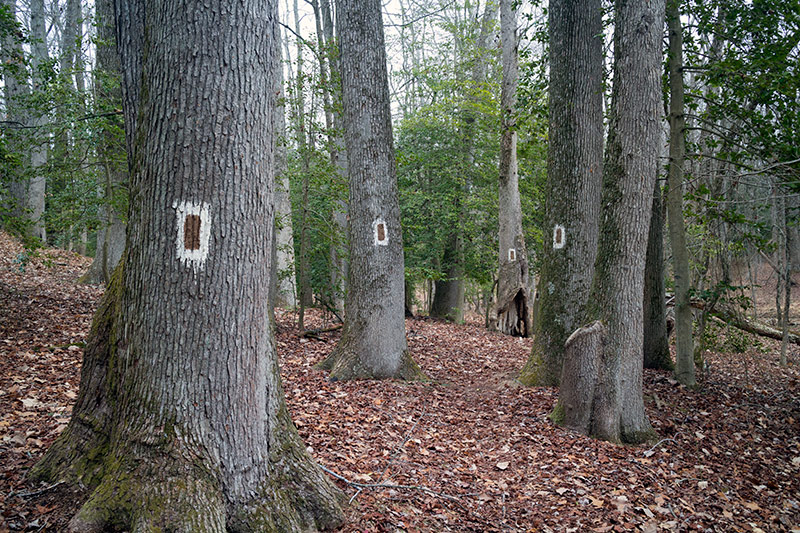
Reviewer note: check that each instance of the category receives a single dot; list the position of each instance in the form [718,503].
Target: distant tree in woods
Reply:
[180,423]
[513,305]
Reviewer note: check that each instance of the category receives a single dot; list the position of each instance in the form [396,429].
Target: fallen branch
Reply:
[419,488]
[750,326]
[314,333]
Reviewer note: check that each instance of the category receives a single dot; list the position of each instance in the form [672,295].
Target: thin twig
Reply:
[420,488]
[38,492]
[657,444]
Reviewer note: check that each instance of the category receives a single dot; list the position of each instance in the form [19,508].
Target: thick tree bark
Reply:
[574,174]
[684,358]
[448,294]
[656,340]
[111,234]
[373,342]
[182,346]
[630,169]
[513,296]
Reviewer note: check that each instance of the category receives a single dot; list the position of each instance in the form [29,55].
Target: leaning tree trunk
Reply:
[684,351]
[574,174]
[655,341]
[202,440]
[111,234]
[513,295]
[373,342]
[612,345]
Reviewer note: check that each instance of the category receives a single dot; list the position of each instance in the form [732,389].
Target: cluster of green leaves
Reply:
[81,133]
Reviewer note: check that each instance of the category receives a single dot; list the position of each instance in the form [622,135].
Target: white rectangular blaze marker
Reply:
[193,230]
[512,254]
[559,237]
[380,232]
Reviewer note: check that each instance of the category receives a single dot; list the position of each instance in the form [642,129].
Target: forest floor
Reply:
[469,450]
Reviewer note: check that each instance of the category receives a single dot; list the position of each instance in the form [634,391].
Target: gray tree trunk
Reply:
[329,64]
[574,174]
[286,291]
[202,440]
[513,296]
[111,234]
[448,298]
[655,341]
[15,90]
[39,148]
[373,342]
[631,166]
[684,359]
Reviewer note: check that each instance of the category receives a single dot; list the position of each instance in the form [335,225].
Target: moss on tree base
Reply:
[346,365]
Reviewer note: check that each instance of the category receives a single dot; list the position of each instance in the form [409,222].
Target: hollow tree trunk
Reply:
[373,342]
[201,440]
[631,166]
[111,234]
[655,341]
[513,297]
[574,174]
[684,358]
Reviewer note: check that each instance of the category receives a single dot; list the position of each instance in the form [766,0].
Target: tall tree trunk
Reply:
[202,440]
[786,274]
[574,174]
[330,78]
[286,293]
[39,149]
[448,298]
[655,340]
[15,90]
[612,346]
[111,234]
[513,295]
[684,359]
[373,342]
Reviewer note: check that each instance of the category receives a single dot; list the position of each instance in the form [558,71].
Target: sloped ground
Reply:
[468,451]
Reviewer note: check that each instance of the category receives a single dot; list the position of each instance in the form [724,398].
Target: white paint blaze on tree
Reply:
[513,293]
[373,343]
[601,383]
[180,424]
[574,175]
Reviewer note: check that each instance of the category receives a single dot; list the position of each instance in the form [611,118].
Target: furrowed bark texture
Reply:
[513,294]
[656,342]
[684,350]
[373,342]
[630,170]
[200,439]
[111,234]
[574,174]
